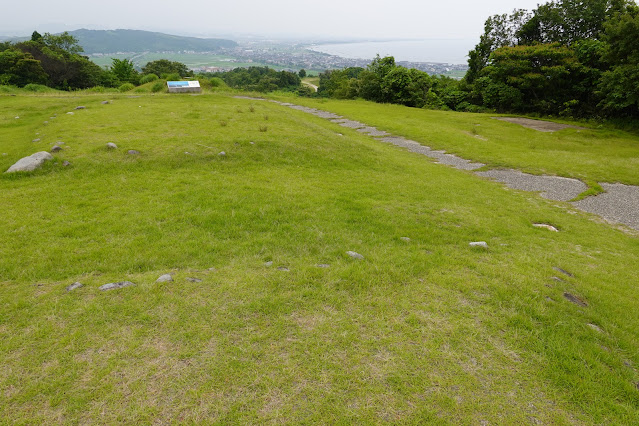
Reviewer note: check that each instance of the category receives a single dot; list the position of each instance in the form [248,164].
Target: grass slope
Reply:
[593,155]
[426,330]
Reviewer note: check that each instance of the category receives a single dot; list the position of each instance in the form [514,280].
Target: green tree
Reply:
[162,67]
[302,73]
[19,68]
[65,42]
[124,70]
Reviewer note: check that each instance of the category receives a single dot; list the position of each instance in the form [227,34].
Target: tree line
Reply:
[573,58]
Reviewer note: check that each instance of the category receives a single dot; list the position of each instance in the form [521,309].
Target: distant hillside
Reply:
[100,41]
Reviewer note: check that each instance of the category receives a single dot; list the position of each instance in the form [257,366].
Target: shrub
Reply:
[126,87]
[157,87]
[172,77]
[263,129]
[148,78]
[36,88]
[217,82]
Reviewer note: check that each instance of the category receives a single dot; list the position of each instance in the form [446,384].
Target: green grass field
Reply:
[428,330]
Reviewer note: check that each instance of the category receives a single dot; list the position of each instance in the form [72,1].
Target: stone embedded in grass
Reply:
[595,327]
[558,269]
[113,286]
[46,122]
[406,239]
[111,145]
[557,279]
[80,107]
[222,154]
[283,268]
[30,163]
[194,280]
[323,265]
[36,140]
[70,113]
[66,164]
[268,264]
[479,244]
[56,148]
[105,102]
[133,152]
[576,300]
[545,226]
[164,278]
[355,255]
[74,286]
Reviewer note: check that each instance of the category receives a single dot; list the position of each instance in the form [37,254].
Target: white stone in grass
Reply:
[36,140]
[70,113]
[222,154]
[133,152]
[323,265]
[479,244]
[405,239]
[545,226]
[111,145]
[74,286]
[17,117]
[596,328]
[355,255]
[164,278]
[113,286]
[268,264]
[30,163]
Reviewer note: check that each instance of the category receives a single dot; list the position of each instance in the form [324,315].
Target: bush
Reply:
[172,77]
[217,82]
[157,87]
[36,88]
[148,78]
[126,87]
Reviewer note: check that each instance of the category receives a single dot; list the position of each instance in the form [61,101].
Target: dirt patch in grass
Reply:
[539,125]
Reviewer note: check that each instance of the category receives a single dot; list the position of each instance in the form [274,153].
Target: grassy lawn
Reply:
[595,155]
[428,330]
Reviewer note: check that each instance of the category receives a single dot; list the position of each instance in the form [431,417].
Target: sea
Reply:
[445,51]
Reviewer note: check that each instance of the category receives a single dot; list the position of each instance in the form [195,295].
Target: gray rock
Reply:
[323,265]
[558,269]
[70,113]
[74,286]
[269,264]
[30,163]
[56,148]
[222,154]
[194,280]
[133,152]
[283,268]
[405,239]
[105,102]
[80,107]
[595,327]
[479,244]
[46,122]
[113,286]
[66,164]
[36,140]
[355,255]
[576,300]
[111,145]
[164,278]
[545,226]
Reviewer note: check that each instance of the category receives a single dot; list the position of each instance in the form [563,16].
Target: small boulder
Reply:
[194,280]
[164,278]
[111,145]
[133,152]
[283,268]
[66,163]
[545,226]
[105,102]
[576,300]
[30,163]
[355,255]
[406,239]
[563,271]
[80,107]
[70,113]
[36,140]
[222,154]
[323,265]
[113,286]
[56,148]
[479,244]
[268,264]
[74,286]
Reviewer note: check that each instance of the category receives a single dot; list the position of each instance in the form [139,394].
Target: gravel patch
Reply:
[551,187]
[350,124]
[539,125]
[441,156]
[619,204]
[373,131]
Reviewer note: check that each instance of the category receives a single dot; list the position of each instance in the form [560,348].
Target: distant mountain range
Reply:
[111,41]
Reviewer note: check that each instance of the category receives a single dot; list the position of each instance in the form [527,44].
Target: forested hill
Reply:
[110,41]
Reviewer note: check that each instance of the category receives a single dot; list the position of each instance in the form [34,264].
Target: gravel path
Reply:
[619,204]
[551,187]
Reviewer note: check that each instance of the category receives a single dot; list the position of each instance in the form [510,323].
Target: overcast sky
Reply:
[462,19]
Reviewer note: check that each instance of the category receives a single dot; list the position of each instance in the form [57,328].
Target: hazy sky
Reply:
[462,19]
